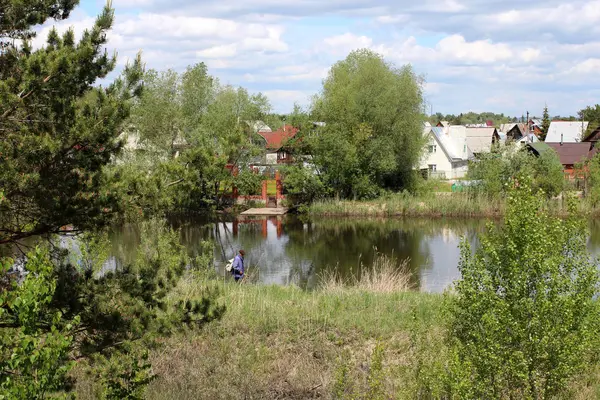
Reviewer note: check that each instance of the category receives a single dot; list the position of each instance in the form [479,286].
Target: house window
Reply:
[281,155]
[432,167]
[432,148]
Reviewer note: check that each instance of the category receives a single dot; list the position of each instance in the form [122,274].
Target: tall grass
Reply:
[442,205]
[387,275]
[439,205]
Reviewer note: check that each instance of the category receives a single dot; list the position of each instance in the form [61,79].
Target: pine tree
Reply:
[57,133]
[57,130]
[545,124]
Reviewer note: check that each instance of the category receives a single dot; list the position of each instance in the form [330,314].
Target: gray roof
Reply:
[566,131]
[480,140]
[452,145]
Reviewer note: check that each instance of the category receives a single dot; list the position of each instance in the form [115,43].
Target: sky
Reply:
[505,56]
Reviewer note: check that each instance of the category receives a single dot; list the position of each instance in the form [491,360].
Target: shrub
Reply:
[248,182]
[524,309]
[302,185]
[34,360]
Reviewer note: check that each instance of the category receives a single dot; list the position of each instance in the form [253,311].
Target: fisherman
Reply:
[238,266]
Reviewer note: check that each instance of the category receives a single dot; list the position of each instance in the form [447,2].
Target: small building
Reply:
[566,131]
[514,132]
[569,154]
[447,154]
[481,140]
[443,124]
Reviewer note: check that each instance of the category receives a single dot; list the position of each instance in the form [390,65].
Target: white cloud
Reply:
[455,47]
[484,52]
[343,44]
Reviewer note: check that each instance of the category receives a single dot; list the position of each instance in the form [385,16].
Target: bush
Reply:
[524,312]
[496,169]
[248,182]
[34,360]
[302,185]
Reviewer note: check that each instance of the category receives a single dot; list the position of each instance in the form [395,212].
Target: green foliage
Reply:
[342,387]
[593,180]
[192,115]
[496,169]
[375,379]
[113,308]
[591,114]
[373,133]
[472,118]
[34,358]
[248,182]
[524,310]
[126,376]
[545,124]
[57,128]
[302,185]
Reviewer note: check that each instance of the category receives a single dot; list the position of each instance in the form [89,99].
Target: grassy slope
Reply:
[277,342]
[284,343]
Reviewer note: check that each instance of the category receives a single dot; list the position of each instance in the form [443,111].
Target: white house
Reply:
[566,131]
[447,154]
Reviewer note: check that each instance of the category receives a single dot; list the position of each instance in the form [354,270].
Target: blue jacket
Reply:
[238,267]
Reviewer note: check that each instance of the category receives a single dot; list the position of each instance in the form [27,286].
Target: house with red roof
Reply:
[277,144]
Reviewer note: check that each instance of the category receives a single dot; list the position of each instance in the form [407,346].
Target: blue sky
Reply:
[508,56]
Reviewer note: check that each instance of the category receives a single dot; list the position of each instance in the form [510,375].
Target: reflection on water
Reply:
[284,250]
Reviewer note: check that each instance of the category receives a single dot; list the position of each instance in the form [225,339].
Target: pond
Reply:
[287,250]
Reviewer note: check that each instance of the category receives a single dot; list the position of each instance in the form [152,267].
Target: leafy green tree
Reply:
[210,118]
[524,310]
[34,358]
[545,124]
[302,185]
[591,114]
[248,182]
[373,133]
[495,170]
[57,130]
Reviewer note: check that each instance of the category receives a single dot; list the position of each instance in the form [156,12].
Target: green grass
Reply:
[271,187]
[439,205]
[286,343]
[443,205]
[283,342]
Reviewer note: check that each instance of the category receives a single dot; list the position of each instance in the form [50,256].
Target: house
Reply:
[514,131]
[443,124]
[566,131]
[447,154]
[534,126]
[569,154]
[275,144]
[480,140]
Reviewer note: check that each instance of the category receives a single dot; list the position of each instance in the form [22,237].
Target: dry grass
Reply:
[387,275]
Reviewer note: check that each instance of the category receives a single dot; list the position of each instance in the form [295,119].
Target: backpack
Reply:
[229,265]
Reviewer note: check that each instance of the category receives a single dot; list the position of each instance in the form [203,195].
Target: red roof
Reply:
[275,140]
